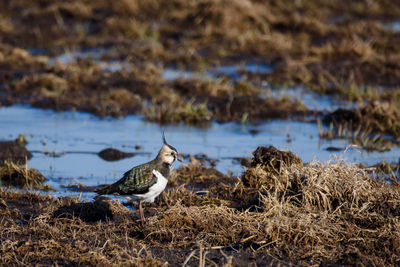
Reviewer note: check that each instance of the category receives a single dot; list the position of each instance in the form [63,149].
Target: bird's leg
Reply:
[187,211]
[141,212]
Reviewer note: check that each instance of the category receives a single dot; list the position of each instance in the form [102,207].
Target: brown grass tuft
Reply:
[14,151]
[374,117]
[12,174]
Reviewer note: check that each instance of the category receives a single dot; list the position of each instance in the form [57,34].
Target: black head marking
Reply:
[163,138]
[165,142]
[173,148]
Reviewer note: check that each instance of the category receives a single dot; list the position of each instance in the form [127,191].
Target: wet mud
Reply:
[112,154]
[12,174]
[375,117]
[101,209]
[14,151]
[317,45]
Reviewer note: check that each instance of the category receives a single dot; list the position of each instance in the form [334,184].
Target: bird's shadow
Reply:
[101,209]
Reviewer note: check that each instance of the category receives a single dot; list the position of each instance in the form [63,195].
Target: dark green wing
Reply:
[137,180]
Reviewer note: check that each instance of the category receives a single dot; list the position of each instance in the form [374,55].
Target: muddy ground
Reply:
[336,48]
[279,212]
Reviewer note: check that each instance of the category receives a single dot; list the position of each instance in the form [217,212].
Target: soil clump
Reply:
[112,154]
[12,174]
[14,151]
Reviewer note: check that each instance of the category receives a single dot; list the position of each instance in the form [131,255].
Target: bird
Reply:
[144,182]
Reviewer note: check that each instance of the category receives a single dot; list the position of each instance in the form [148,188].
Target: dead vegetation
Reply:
[274,160]
[385,171]
[14,151]
[12,174]
[376,117]
[332,48]
[85,86]
[320,213]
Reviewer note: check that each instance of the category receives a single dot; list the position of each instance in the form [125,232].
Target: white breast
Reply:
[154,191]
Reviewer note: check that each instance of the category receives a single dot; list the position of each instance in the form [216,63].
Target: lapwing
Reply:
[145,182]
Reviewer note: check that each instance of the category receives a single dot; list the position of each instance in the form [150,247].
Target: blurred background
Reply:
[318,78]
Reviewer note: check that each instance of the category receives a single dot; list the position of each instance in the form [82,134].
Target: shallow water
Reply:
[393,26]
[49,131]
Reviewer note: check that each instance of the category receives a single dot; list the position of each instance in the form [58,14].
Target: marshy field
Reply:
[286,113]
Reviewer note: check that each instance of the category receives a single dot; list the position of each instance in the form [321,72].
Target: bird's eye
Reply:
[172,153]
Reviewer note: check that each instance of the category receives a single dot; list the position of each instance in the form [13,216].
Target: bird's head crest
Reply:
[168,153]
[163,138]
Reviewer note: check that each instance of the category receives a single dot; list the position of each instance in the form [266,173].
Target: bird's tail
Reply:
[102,189]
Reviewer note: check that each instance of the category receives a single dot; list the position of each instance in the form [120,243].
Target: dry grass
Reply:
[324,213]
[375,117]
[316,37]
[13,174]
[14,151]
[332,48]
[84,85]
[170,107]
[319,213]
[44,239]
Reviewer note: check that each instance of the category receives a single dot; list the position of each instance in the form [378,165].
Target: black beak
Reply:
[179,158]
